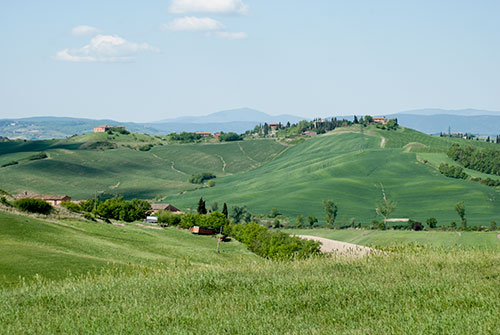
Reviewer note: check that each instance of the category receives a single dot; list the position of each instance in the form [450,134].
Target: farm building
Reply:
[54,200]
[217,135]
[275,126]
[202,230]
[105,128]
[204,133]
[165,207]
[380,120]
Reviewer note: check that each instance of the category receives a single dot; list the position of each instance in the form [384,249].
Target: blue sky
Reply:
[150,60]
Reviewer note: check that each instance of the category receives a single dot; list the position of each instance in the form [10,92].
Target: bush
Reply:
[229,137]
[211,183]
[33,206]
[274,245]
[10,163]
[201,177]
[5,202]
[417,226]
[88,216]
[71,206]
[40,155]
[432,222]
[119,209]
[169,218]
[452,171]
[145,147]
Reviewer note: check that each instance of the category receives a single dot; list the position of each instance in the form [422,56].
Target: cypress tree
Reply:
[224,210]
[202,209]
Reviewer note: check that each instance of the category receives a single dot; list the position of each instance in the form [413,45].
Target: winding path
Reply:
[332,246]
[223,163]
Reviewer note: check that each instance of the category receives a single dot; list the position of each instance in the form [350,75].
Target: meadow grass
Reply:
[54,249]
[412,291]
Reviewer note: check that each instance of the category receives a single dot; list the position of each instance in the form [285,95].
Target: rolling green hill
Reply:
[78,168]
[53,249]
[350,166]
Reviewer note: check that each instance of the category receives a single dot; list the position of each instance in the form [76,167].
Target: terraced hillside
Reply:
[83,165]
[351,166]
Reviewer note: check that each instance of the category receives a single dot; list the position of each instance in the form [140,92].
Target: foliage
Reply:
[483,160]
[452,171]
[312,220]
[120,209]
[146,147]
[330,212]
[98,145]
[274,213]
[224,210]
[299,222]
[493,225]
[229,137]
[40,155]
[5,202]
[214,220]
[211,183]
[240,214]
[71,206]
[432,222]
[185,137]
[202,209]
[460,209]
[417,226]
[88,216]
[33,206]
[385,208]
[10,163]
[274,245]
[200,178]
[169,218]
[214,207]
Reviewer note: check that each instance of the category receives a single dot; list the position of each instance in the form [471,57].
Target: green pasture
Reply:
[349,167]
[54,249]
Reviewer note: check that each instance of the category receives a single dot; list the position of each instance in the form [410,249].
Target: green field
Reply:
[374,238]
[350,167]
[163,170]
[134,280]
[53,248]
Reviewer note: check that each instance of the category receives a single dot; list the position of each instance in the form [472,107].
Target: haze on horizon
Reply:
[143,62]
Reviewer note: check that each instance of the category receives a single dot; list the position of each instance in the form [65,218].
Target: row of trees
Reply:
[116,208]
[483,160]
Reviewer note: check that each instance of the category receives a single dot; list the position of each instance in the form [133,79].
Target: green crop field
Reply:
[96,278]
[350,166]
[163,170]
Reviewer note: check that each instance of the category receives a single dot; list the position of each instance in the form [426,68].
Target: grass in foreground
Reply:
[415,291]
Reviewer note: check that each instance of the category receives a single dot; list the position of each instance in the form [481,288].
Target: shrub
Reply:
[229,137]
[211,183]
[40,155]
[452,171]
[88,216]
[200,178]
[5,202]
[417,226]
[432,222]
[10,163]
[169,218]
[145,147]
[190,220]
[274,245]
[34,206]
[71,206]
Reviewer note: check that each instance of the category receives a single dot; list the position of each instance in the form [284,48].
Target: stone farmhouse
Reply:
[54,200]
[105,128]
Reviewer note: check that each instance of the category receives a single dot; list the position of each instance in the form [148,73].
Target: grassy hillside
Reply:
[74,168]
[53,249]
[432,291]
[350,166]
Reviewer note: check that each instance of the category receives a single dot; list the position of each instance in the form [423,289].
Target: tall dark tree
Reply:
[202,209]
[330,212]
[356,119]
[224,210]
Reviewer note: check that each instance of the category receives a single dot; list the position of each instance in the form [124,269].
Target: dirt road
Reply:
[340,247]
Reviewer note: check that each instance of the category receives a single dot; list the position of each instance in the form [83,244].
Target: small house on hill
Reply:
[54,200]
[204,133]
[275,126]
[165,207]
[380,120]
[105,128]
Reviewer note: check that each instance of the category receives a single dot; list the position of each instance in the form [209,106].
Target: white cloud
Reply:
[208,6]
[191,23]
[84,30]
[104,48]
[231,36]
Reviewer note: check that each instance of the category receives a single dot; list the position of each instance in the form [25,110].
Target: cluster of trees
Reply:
[185,137]
[200,178]
[33,206]
[214,220]
[452,171]
[274,245]
[230,137]
[483,160]
[116,208]
[118,130]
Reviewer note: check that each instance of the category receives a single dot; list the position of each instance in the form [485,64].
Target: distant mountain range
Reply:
[429,121]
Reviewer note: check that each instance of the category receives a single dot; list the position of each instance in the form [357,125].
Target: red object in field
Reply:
[202,231]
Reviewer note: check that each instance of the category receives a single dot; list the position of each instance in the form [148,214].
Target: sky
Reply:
[150,60]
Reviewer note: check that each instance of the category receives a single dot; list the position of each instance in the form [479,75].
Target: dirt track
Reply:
[340,247]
